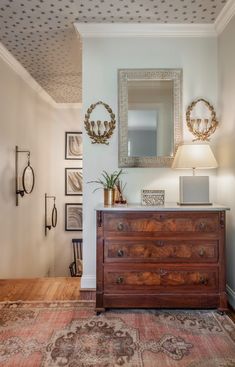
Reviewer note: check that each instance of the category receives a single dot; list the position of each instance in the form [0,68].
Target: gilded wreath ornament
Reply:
[99,131]
[201,128]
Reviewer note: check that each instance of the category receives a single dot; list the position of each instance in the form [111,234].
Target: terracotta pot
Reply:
[109,195]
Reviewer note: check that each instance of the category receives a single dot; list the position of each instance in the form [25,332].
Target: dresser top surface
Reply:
[165,207]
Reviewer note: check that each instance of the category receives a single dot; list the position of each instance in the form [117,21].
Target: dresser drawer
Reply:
[170,257]
[160,251]
[119,224]
[164,278]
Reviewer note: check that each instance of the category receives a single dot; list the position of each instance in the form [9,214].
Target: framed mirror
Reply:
[150,124]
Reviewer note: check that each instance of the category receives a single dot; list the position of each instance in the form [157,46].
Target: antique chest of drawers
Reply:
[170,257]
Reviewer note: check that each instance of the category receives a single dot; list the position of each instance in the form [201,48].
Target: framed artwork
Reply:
[73,181]
[73,145]
[73,217]
[152,197]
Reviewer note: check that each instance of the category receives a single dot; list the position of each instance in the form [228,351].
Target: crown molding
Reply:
[226,14]
[104,30]
[11,61]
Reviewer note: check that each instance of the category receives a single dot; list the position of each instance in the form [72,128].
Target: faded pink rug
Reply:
[69,334]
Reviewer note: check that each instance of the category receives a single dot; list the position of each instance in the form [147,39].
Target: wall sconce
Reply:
[24,184]
[99,131]
[194,190]
[201,128]
[53,219]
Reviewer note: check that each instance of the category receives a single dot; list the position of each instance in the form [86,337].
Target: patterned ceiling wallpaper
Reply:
[41,36]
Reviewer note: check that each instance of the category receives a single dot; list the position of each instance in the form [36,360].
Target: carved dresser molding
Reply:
[161,257]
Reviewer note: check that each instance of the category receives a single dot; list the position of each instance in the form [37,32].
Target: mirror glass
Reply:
[149,117]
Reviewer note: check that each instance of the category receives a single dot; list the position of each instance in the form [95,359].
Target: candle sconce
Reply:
[201,128]
[24,184]
[99,131]
[53,218]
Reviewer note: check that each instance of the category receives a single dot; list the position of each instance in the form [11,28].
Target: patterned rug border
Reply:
[90,304]
[48,304]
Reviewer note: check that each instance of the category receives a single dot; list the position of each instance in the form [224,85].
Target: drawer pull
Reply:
[203,280]
[160,243]
[163,272]
[119,280]
[120,227]
[120,253]
[202,226]
[202,252]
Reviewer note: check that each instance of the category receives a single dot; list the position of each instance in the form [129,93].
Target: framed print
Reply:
[73,217]
[73,181]
[73,145]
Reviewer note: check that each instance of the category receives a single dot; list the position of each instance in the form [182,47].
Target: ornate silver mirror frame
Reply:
[127,75]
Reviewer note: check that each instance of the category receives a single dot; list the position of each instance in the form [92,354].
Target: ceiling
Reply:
[41,36]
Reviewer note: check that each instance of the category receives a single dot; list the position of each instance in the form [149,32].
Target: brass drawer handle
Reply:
[203,280]
[120,253]
[202,226]
[120,227]
[163,272]
[119,280]
[202,252]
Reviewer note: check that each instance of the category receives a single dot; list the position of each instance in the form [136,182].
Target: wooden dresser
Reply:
[165,257]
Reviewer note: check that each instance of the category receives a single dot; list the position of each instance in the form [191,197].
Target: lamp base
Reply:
[194,190]
[191,204]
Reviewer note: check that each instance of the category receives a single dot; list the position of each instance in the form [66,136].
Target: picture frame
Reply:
[153,197]
[73,145]
[73,181]
[73,217]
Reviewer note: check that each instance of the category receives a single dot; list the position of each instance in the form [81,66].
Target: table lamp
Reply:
[194,190]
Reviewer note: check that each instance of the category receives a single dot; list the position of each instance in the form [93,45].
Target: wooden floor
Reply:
[40,289]
[49,289]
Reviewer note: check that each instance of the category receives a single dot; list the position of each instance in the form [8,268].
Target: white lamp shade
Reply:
[194,156]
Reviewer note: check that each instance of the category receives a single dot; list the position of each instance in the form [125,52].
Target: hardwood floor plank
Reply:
[38,289]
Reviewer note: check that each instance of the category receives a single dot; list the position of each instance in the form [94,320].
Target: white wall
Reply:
[29,122]
[226,144]
[25,121]
[65,120]
[101,59]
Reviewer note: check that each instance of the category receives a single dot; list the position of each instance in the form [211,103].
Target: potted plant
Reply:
[108,183]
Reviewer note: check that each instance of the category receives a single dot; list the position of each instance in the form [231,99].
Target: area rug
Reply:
[70,334]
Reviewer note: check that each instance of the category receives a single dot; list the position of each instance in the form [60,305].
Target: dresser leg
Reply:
[99,310]
[223,305]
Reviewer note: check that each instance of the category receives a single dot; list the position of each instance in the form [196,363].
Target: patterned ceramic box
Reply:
[152,197]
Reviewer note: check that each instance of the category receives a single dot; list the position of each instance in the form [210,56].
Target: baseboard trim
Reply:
[88,282]
[231,296]
[88,290]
